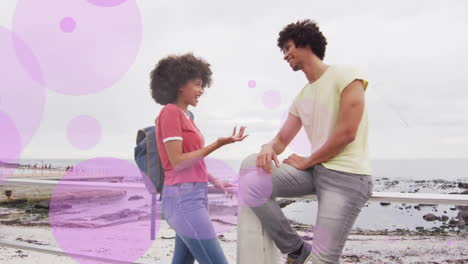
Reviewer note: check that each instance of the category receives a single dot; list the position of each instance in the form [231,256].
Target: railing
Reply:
[255,246]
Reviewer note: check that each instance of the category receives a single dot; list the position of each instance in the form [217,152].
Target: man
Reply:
[332,111]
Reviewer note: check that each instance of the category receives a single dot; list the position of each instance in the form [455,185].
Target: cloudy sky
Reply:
[414,53]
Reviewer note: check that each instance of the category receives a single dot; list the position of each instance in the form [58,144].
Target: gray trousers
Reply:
[341,197]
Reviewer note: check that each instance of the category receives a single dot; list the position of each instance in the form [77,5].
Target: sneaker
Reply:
[303,257]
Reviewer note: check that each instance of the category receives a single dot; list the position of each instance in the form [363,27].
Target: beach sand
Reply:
[359,248]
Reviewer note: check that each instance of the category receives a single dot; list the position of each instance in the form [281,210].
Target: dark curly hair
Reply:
[173,72]
[303,33]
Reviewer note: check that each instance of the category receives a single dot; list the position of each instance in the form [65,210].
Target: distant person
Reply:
[331,109]
[177,82]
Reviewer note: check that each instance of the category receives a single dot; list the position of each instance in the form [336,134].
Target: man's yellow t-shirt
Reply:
[317,105]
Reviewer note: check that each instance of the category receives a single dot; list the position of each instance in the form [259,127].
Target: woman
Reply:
[176,83]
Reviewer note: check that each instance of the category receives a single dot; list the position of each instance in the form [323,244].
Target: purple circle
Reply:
[222,209]
[22,94]
[322,239]
[68,24]
[255,187]
[106,3]
[271,99]
[91,59]
[10,149]
[106,223]
[301,143]
[252,84]
[84,132]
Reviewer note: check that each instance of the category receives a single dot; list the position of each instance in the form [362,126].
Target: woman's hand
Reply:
[233,138]
[222,185]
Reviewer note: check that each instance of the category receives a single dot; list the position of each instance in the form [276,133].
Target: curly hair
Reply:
[303,33]
[173,72]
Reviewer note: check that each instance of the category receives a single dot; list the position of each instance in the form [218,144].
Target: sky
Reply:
[414,54]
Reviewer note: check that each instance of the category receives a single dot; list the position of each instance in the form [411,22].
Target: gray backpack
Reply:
[147,159]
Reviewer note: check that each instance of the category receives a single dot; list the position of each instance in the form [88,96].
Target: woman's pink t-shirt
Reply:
[173,124]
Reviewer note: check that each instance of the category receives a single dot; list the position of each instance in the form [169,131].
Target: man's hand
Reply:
[297,162]
[264,158]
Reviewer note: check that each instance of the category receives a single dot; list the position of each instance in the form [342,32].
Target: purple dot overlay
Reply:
[271,99]
[255,187]
[221,208]
[100,222]
[322,239]
[106,3]
[391,240]
[10,143]
[28,60]
[103,33]
[449,243]
[84,132]
[22,94]
[68,24]
[252,84]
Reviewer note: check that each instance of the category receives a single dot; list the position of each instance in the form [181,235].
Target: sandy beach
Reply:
[359,248]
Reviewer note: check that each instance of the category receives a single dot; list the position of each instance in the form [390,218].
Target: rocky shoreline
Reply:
[34,211]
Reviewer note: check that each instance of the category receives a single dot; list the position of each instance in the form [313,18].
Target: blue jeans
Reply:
[185,206]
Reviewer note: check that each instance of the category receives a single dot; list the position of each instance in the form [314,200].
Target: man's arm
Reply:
[349,117]
[276,146]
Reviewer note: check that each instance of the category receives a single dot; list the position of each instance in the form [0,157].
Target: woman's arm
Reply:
[180,160]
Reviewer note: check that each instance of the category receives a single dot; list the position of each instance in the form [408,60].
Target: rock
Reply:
[124,213]
[30,219]
[419,228]
[453,223]
[59,207]
[464,192]
[14,202]
[427,205]
[285,202]
[463,185]
[444,218]
[42,205]
[463,216]
[430,217]
[385,204]
[135,197]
